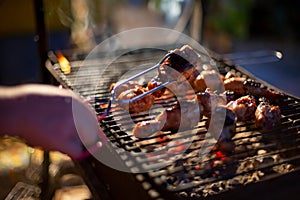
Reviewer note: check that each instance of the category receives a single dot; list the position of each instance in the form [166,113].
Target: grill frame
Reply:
[143,184]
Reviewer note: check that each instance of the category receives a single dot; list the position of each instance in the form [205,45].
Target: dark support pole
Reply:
[41,39]
[198,20]
[42,43]
[204,13]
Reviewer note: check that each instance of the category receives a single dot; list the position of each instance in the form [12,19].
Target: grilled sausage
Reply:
[254,88]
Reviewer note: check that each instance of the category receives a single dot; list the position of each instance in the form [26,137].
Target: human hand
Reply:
[52,118]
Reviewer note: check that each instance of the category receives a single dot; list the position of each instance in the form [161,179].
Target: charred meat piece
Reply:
[139,105]
[124,87]
[179,66]
[156,82]
[241,87]
[208,79]
[193,77]
[145,129]
[210,100]
[188,53]
[185,116]
[180,89]
[199,84]
[229,75]
[230,95]
[182,116]
[235,84]
[254,88]
[267,116]
[244,108]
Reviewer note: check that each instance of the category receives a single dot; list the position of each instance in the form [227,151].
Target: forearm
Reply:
[10,110]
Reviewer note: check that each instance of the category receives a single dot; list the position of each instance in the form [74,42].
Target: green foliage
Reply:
[230,16]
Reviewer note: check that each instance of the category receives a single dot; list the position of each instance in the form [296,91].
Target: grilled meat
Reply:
[210,100]
[235,84]
[124,87]
[145,129]
[170,120]
[267,116]
[208,79]
[183,60]
[242,87]
[229,75]
[180,116]
[254,88]
[244,107]
[230,95]
[155,82]
[137,106]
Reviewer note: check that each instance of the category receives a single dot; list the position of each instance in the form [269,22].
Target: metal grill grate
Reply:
[258,155]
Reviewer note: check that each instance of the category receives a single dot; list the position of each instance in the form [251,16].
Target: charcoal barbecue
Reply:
[264,165]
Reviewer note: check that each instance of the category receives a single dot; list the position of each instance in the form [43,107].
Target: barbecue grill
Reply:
[264,164]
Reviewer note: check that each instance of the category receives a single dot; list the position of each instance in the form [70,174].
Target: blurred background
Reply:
[224,26]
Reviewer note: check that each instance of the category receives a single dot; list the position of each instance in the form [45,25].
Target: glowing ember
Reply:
[162,139]
[220,155]
[64,63]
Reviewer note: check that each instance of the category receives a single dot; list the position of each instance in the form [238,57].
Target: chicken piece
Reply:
[210,100]
[170,120]
[156,82]
[267,116]
[179,88]
[244,108]
[187,111]
[145,129]
[124,87]
[254,88]
[177,67]
[235,84]
[188,53]
[230,96]
[178,63]
[199,84]
[193,77]
[137,106]
[208,78]
[230,74]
